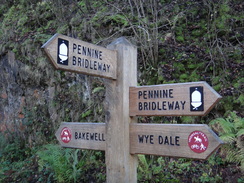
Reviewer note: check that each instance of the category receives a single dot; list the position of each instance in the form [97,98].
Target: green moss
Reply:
[196,33]
[191,66]
[180,67]
[217,87]
[216,80]
[184,76]
[194,76]
[160,78]
[180,38]
[188,119]
[240,100]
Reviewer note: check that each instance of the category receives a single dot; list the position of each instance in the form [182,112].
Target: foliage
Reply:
[69,165]
[159,169]
[16,161]
[63,162]
[231,131]
[49,163]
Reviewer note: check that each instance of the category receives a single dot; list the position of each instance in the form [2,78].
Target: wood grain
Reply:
[177,140]
[174,100]
[121,165]
[107,58]
[84,135]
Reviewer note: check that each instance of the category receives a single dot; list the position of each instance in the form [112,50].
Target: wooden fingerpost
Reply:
[121,166]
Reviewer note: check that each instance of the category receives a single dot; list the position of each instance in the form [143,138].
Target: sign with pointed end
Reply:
[179,99]
[82,135]
[114,136]
[173,140]
[66,53]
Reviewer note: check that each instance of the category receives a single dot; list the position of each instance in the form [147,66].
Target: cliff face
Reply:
[32,108]
[12,100]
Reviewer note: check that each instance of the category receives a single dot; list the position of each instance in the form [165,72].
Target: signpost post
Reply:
[120,137]
[120,164]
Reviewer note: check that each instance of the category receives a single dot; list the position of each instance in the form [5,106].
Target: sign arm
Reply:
[196,141]
[70,54]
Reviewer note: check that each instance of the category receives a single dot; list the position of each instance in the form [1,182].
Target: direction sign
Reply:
[173,140]
[179,99]
[74,55]
[82,135]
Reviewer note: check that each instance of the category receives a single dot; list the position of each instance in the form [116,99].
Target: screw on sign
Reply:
[65,135]
[198,142]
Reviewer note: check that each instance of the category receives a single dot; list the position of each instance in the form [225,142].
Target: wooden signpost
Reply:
[74,55]
[82,135]
[120,136]
[179,99]
[174,140]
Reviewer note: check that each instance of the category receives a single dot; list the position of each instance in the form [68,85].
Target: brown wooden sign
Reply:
[82,135]
[120,136]
[74,55]
[173,140]
[179,99]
